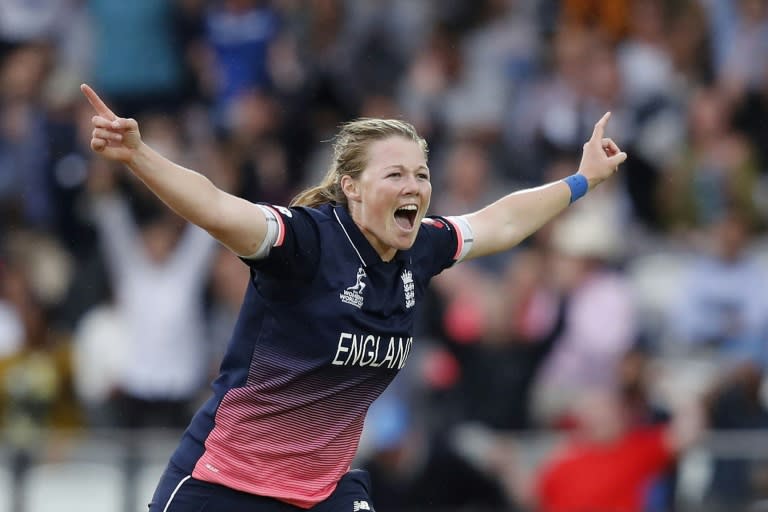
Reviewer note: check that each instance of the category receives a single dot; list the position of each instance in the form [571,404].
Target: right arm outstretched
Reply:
[238,224]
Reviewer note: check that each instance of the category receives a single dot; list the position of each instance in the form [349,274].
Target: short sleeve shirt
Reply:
[324,328]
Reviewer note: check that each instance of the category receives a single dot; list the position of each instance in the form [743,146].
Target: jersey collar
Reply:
[365,251]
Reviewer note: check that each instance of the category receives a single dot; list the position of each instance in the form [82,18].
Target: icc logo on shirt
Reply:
[354,294]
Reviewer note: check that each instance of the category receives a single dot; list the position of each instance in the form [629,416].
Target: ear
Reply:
[350,187]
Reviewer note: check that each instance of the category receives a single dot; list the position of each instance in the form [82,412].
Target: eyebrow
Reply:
[404,168]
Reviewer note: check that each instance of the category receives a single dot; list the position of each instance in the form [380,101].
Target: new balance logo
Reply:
[360,505]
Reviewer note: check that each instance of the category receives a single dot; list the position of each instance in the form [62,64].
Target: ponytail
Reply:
[328,191]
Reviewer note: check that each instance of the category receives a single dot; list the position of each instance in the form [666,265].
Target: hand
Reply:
[113,137]
[688,425]
[601,156]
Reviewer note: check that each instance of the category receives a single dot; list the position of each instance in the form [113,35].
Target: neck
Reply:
[385,252]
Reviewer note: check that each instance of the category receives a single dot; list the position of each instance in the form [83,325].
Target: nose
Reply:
[411,185]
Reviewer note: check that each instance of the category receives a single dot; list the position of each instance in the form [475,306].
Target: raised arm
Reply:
[506,222]
[238,224]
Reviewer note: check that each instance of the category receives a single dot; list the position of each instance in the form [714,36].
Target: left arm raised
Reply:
[508,221]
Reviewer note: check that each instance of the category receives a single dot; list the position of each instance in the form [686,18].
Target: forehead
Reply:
[396,150]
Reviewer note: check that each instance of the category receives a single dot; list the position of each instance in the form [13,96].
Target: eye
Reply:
[423,176]
[394,174]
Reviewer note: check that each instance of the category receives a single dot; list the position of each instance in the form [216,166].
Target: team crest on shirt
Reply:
[354,294]
[408,288]
[357,506]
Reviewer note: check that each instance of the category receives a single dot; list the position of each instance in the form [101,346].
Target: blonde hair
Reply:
[350,157]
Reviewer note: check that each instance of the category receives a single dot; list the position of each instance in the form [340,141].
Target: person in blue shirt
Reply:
[328,315]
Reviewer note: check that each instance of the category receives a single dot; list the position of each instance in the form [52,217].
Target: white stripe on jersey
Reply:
[173,494]
[348,238]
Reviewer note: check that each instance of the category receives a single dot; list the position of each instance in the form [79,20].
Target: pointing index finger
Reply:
[599,130]
[99,106]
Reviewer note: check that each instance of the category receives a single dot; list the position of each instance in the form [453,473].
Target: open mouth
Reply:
[405,216]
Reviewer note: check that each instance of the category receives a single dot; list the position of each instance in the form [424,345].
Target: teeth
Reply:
[410,207]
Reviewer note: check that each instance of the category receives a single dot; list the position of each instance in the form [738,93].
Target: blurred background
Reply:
[613,362]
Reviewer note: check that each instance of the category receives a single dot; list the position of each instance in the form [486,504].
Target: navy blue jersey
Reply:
[324,328]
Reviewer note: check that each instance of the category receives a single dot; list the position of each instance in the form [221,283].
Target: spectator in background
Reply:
[713,171]
[158,271]
[720,315]
[550,112]
[25,192]
[138,61]
[99,352]
[497,41]
[721,305]
[434,68]
[254,149]
[547,121]
[739,44]
[644,408]
[498,374]
[644,59]
[736,404]
[461,78]
[601,318]
[23,22]
[414,471]
[311,68]
[689,43]
[650,97]
[608,462]
[35,388]
[381,37]
[239,34]
[32,376]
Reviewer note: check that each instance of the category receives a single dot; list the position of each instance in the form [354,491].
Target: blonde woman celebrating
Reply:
[327,320]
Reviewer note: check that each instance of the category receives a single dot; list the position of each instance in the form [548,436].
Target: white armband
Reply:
[270,238]
[465,235]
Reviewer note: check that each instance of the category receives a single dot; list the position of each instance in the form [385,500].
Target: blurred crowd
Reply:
[629,325]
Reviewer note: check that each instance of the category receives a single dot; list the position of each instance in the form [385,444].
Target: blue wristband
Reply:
[578,185]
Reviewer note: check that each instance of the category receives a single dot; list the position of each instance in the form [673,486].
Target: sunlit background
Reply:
[619,351]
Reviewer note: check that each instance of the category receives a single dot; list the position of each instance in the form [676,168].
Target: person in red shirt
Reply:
[607,465]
